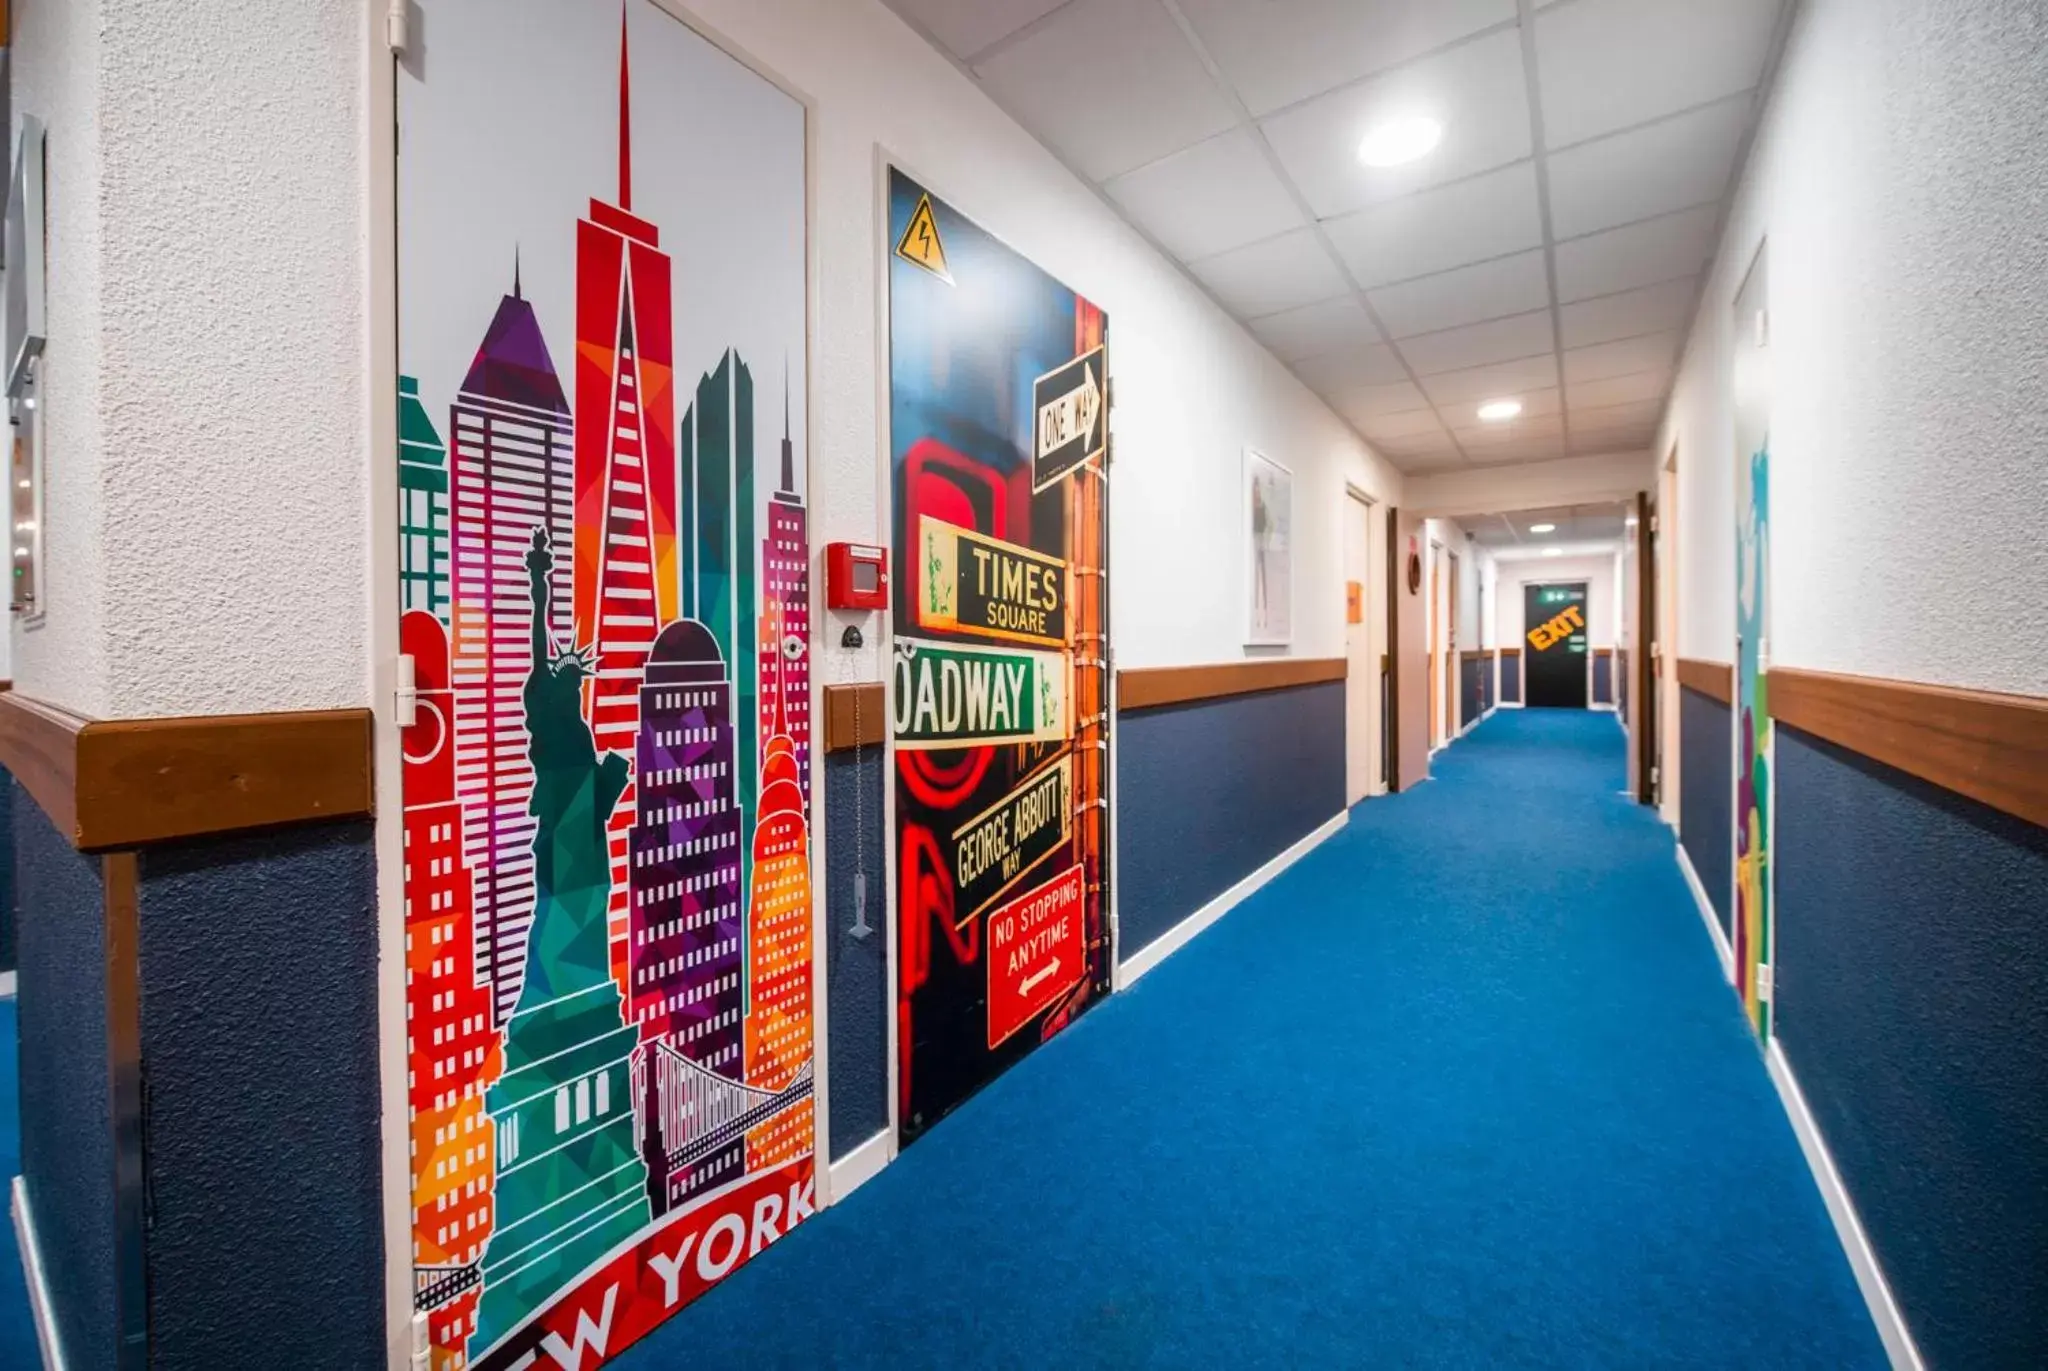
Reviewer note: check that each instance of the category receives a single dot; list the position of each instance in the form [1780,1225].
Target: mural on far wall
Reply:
[1753,738]
[998,423]
[604,582]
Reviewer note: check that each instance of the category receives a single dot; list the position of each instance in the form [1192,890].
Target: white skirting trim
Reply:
[38,1287]
[860,1166]
[1509,704]
[1152,954]
[1877,1293]
[1606,707]
[6,985]
[1707,915]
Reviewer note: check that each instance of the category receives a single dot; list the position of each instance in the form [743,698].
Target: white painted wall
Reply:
[1598,573]
[207,477]
[1897,174]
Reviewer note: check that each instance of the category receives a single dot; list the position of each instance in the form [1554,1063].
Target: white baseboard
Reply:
[1707,915]
[1602,707]
[860,1166]
[7,985]
[1153,953]
[1509,704]
[1877,1292]
[38,1286]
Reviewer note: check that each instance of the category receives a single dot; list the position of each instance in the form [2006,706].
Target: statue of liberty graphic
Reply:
[570,1183]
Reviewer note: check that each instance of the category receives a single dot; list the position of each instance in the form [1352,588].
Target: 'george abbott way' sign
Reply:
[952,695]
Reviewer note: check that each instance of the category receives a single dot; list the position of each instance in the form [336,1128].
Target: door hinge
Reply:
[406,697]
[398,27]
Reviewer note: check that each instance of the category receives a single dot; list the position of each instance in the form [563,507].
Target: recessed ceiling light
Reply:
[1393,142]
[1499,411]
[1553,552]
[1543,528]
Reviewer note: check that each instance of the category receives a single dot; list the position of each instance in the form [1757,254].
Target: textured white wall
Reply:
[1192,388]
[57,76]
[1898,176]
[208,476]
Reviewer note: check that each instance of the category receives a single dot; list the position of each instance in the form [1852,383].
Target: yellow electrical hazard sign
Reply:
[920,245]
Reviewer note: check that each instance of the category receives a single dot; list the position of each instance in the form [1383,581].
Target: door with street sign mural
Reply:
[605,599]
[999,687]
[1755,738]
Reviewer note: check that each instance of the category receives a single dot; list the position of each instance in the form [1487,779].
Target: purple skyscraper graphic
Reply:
[684,953]
[510,438]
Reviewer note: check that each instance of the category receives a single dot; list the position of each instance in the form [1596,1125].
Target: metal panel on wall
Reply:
[999,691]
[605,594]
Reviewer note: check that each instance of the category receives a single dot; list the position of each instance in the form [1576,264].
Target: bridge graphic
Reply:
[698,1113]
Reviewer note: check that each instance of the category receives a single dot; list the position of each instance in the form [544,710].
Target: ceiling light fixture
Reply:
[1394,142]
[1499,411]
[1543,528]
[1553,552]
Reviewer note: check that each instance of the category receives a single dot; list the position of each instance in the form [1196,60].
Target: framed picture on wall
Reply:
[1269,544]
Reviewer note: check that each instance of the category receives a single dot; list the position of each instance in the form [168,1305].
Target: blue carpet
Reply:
[1463,1088]
[17,1324]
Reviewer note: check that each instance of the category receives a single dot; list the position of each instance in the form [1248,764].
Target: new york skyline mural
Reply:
[606,594]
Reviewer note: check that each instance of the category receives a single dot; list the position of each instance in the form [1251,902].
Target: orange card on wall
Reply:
[1354,602]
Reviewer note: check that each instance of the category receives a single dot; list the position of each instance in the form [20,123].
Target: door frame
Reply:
[1361,506]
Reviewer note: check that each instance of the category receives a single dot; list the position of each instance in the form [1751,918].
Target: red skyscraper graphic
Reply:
[625,578]
[450,1041]
[786,593]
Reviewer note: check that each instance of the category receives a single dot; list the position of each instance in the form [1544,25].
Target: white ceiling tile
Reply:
[1277,274]
[1397,398]
[965,27]
[1622,357]
[1613,440]
[1420,448]
[1109,84]
[1537,403]
[1674,164]
[1620,390]
[1276,52]
[1651,309]
[1501,380]
[1500,340]
[1476,436]
[1327,326]
[1606,418]
[1534,449]
[1451,226]
[1607,64]
[1476,89]
[1332,373]
[1394,427]
[1467,295]
[1216,195]
[1637,255]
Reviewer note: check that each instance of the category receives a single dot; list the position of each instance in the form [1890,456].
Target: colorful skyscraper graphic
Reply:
[423,532]
[778,1021]
[625,582]
[450,1041]
[786,597]
[718,572]
[570,1183]
[685,945]
[511,432]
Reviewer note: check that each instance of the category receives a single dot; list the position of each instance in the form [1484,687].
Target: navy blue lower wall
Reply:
[1470,704]
[1208,792]
[261,1100]
[1706,798]
[8,916]
[67,1149]
[1603,678]
[1912,1001]
[1511,680]
[856,971]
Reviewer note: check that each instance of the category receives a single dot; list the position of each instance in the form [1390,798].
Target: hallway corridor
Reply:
[1463,1087]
